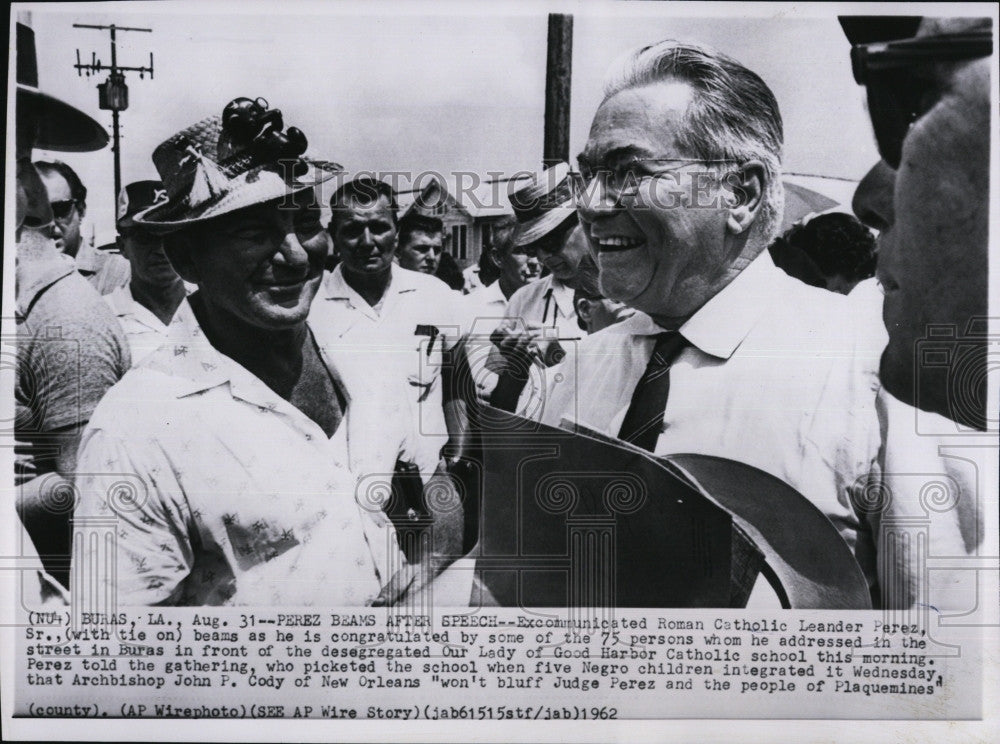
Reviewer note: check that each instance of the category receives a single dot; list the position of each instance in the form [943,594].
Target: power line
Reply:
[112,94]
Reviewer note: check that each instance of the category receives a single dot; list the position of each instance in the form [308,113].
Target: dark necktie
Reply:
[644,418]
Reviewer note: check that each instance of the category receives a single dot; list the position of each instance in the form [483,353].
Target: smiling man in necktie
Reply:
[680,194]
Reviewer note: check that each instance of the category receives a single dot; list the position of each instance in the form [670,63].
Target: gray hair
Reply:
[733,115]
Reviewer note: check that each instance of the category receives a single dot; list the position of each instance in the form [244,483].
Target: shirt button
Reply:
[309,437]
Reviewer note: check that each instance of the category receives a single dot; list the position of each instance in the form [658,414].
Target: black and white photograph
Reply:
[628,368]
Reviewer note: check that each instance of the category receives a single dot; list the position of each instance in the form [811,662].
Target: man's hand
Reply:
[518,347]
[407,581]
[443,501]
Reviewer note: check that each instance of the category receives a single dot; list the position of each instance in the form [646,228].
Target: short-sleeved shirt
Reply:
[144,331]
[106,269]
[222,492]
[401,341]
[485,309]
[70,349]
[546,302]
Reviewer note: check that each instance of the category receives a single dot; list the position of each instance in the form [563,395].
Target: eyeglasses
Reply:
[61,210]
[624,179]
[898,81]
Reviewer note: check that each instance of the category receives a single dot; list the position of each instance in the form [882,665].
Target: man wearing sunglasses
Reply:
[928,87]
[104,270]
[929,99]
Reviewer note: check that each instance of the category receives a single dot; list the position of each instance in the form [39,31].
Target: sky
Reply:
[419,87]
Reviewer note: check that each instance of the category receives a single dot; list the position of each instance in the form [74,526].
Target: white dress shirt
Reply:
[400,341]
[778,375]
[485,309]
[928,517]
[546,302]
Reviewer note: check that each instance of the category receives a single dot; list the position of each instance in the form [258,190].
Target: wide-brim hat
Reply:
[61,127]
[543,204]
[206,175]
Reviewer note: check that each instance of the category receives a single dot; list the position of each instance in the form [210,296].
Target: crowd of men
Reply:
[236,385]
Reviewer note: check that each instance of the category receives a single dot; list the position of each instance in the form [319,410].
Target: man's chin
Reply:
[619,279]
[279,317]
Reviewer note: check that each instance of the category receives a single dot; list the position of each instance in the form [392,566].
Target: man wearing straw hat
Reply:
[70,350]
[541,314]
[547,220]
[244,438]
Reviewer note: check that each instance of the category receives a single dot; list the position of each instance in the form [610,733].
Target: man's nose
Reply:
[595,200]
[873,198]
[291,252]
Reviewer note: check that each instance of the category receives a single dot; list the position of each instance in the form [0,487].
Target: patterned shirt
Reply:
[221,492]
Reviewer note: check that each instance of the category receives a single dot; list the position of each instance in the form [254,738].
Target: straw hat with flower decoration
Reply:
[226,163]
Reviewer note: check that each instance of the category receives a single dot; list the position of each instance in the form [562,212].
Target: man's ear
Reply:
[179,248]
[584,309]
[746,188]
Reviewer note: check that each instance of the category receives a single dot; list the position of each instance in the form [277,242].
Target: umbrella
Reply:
[809,194]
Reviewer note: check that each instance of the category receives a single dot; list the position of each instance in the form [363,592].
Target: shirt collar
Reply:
[124,304]
[121,301]
[722,323]
[492,294]
[335,287]
[562,295]
[196,366]
[88,261]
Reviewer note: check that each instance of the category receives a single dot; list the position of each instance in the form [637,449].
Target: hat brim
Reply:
[173,215]
[126,223]
[62,127]
[541,226]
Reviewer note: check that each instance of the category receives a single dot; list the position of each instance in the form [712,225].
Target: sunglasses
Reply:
[61,210]
[899,78]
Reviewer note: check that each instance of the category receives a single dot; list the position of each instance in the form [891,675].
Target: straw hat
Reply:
[545,203]
[60,126]
[223,164]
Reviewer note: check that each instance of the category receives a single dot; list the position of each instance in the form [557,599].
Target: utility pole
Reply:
[558,76]
[112,94]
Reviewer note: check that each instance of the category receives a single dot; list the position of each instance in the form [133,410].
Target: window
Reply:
[459,236]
